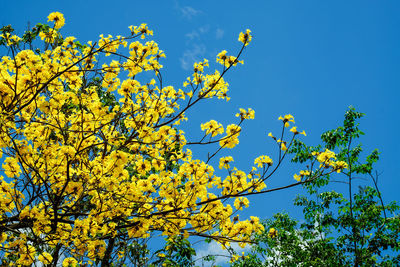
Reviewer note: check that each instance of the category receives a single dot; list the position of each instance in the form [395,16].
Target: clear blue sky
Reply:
[309,58]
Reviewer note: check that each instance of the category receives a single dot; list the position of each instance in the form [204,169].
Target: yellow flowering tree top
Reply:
[93,157]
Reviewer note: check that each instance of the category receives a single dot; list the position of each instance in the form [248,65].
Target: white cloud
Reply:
[204,29]
[188,12]
[219,33]
[195,43]
[214,249]
[192,35]
[192,55]
[196,34]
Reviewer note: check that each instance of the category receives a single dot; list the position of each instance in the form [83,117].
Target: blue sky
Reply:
[308,58]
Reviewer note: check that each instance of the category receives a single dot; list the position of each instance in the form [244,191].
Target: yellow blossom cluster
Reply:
[45,258]
[214,85]
[241,202]
[10,39]
[246,37]
[327,159]
[232,136]
[246,114]
[58,19]
[212,127]
[50,36]
[294,130]
[226,60]
[224,162]
[286,119]
[272,233]
[142,30]
[298,177]
[263,160]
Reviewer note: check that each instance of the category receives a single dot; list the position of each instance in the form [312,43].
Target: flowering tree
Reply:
[94,159]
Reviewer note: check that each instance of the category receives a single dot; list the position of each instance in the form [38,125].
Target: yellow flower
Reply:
[69,41]
[142,29]
[271,135]
[240,202]
[49,37]
[3,237]
[231,140]
[283,146]
[262,160]
[222,57]
[302,174]
[326,156]
[305,173]
[295,131]
[27,255]
[212,127]
[10,39]
[11,167]
[272,233]
[45,258]
[143,167]
[69,262]
[186,234]
[286,119]
[245,115]
[224,162]
[246,37]
[58,19]
[234,258]
[199,66]
[338,166]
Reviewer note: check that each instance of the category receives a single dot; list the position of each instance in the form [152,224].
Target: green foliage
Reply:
[339,228]
[177,252]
